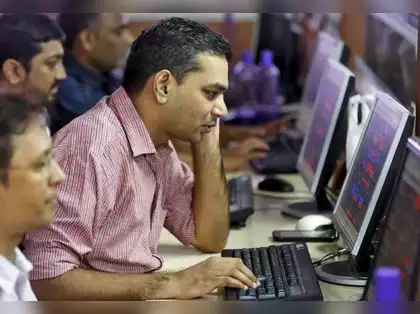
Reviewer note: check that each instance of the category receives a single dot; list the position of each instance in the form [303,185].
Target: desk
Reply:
[257,233]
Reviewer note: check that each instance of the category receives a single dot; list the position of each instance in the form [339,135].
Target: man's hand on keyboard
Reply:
[213,273]
[239,133]
[275,127]
[236,157]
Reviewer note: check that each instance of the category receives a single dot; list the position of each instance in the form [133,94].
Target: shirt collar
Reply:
[138,136]
[11,271]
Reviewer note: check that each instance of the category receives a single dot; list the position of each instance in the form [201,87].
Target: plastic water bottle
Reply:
[268,83]
[387,284]
[387,291]
[247,88]
[236,81]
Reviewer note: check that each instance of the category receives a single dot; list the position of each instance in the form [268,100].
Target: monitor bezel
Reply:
[412,147]
[312,179]
[355,244]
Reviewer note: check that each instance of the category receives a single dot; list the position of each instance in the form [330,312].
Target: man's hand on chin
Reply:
[212,138]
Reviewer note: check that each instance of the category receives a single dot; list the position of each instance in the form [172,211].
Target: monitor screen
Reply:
[391,52]
[369,168]
[367,82]
[314,77]
[328,104]
[400,240]
[324,109]
[326,47]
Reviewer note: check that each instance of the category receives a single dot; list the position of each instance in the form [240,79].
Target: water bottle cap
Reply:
[247,57]
[267,57]
[387,284]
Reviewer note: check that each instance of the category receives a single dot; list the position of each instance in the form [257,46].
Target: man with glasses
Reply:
[29,179]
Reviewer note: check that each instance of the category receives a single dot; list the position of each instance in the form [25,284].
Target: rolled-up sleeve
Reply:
[178,201]
[63,245]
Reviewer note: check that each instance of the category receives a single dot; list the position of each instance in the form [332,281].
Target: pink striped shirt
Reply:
[119,193]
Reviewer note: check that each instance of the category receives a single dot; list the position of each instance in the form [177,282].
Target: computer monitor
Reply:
[324,139]
[367,187]
[327,47]
[399,242]
[391,52]
[275,33]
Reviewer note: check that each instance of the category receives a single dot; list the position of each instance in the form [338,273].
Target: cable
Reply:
[330,256]
[352,270]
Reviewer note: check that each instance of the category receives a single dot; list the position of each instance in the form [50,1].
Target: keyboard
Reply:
[282,157]
[284,143]
[286,271]
[241,200]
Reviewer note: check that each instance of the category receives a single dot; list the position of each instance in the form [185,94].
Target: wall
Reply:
[352,31]
[245,23]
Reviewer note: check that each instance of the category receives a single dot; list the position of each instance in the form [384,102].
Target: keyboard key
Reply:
[256,263]
[244,296]
[252,292]
[293,291]
[281,293]
[237,254]
[271,291]
[261,290]
[247,258]
[267,296]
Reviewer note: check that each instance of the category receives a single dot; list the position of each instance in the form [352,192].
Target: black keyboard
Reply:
[282,157]
[286,273]
[285,143]
[241,200]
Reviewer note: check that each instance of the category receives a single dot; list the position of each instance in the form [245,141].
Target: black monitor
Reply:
[399,243]
[276,34]
[325,137]
[367,187]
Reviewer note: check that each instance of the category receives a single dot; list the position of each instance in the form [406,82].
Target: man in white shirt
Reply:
[29,179]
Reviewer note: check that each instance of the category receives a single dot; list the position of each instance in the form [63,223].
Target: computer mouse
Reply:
[272,184]
[314,222]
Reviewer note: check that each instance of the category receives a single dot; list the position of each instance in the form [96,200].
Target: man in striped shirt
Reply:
[125,181]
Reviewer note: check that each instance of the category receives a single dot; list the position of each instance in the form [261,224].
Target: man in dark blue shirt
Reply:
[96,44]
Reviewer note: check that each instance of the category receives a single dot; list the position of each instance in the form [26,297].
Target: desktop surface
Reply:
[256,233]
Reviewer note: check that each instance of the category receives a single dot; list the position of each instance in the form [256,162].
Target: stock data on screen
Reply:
[400,241]
[368,166]
[324,110]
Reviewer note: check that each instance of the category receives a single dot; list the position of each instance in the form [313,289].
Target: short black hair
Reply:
[171,44]
[16,114]
[21,36]
[73,23]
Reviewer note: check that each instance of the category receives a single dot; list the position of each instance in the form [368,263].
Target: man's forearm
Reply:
[85,285]
[210,203]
